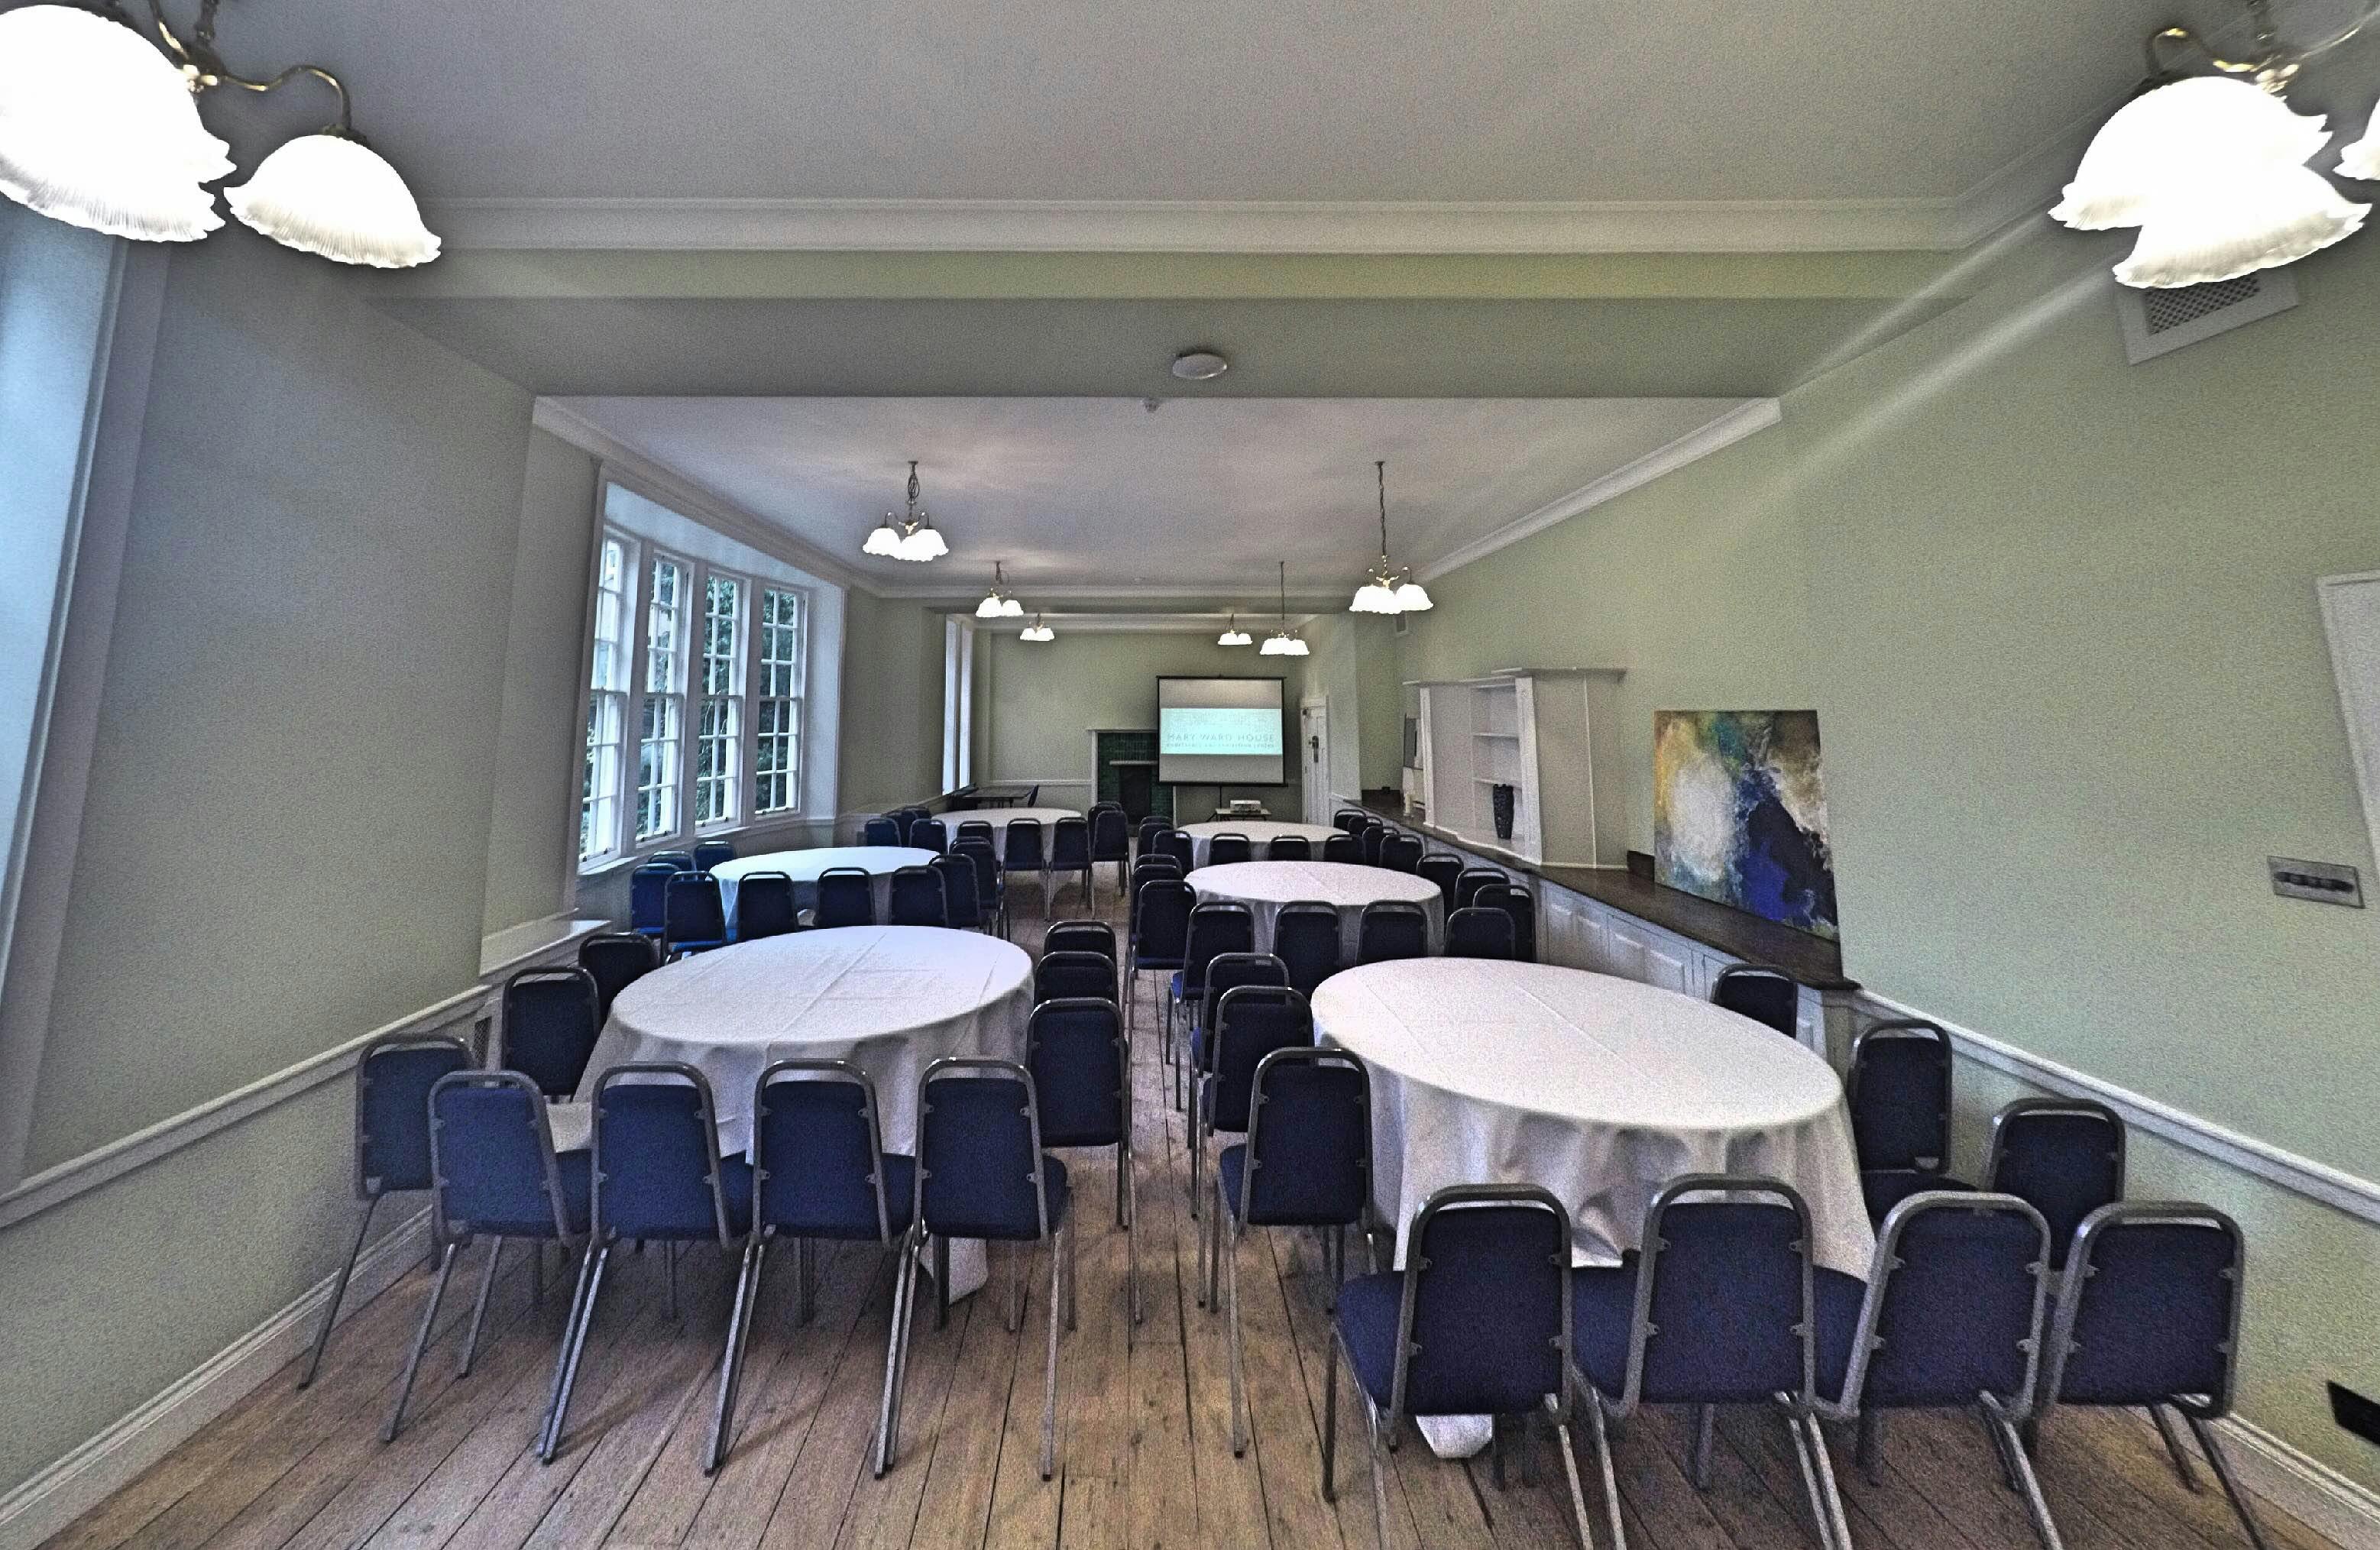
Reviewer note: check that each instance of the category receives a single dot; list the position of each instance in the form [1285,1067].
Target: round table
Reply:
[879,862]
[1600,1089]
[1266,886]
[999,818]
[1257,833]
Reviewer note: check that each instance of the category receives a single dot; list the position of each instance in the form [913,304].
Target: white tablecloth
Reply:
[1257,833]
[998,818]
[1600,1089]
[879,862]
[1266,886]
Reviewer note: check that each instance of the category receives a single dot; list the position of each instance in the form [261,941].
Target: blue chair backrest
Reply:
[1391,930]
[978,1151]
[1225,850]
[494,1154]
[1400,852]
[1521,906]
[1070,843]
[1309,1139]
[550,1027]
[1214,928]
[1289,847]
[682,861]
[764,906]
[1487,1303]
[959,889]
[1162,934]
[1345,849]
[1175,843]
[1063,977]
[1765,995]
[393,1083]
[975,829]
[1077,1060]
[1110,835]
[1146,869]
[1145,833]
[1305,938]
[930,834]
[1899,1096]
[693,912]
[1479,932]
[988,879]
[918,898]
[1471,879]
[1347,821]
[846,897]
[817,1152]
[2149,1310]
[1373,838]
[880,831]
[712,854]
[2062,1157]
[1020,849]
[648,896]
[1445,871]
[1723,1296]
[1081,936]
[616,959]
[1958,1304]
[1250,1023]
[1226,971]
[657,1154]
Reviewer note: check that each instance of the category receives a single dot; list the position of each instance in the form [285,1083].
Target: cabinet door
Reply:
[1637,953]
[1669,966]
[1564,930]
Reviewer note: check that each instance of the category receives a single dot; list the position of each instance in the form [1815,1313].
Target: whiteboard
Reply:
[2350,617]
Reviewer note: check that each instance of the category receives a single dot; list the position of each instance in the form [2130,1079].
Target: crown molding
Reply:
[1754,415]
[966,594]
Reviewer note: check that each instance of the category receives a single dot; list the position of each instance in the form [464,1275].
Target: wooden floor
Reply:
[1143,1455]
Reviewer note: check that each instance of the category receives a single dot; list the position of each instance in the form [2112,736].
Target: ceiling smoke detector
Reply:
[1199,366]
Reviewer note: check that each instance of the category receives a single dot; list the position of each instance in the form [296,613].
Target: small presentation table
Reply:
[1266,886]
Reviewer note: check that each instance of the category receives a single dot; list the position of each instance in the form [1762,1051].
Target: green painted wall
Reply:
[2057,615]
[891,747]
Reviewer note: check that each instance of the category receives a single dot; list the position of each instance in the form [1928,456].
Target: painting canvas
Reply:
[1740,813]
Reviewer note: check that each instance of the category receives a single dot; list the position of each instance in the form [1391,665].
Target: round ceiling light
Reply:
[1199,366]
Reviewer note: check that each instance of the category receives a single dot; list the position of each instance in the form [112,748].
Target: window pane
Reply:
[598,817]
[777,775]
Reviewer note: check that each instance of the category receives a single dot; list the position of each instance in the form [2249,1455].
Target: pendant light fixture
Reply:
[1388,591]
[1281,643]
[1235,635]
[913,537]
[1038,631]
[995,604]
[97,128]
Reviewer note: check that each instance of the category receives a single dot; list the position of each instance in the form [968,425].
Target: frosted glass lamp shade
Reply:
[989,607]
[1373,598]
[925,543]
[2361,159]
[885,541]
[1282,644]
[1233,637]
[1011,609]
[1412,599]
[98,129]
[2237,223]
[2168,141]
[336,196]
[1038,633]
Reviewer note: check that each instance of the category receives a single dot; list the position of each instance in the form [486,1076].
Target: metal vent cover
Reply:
[2158,322]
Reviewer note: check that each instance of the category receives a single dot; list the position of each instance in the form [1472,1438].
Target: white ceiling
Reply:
[1200,496]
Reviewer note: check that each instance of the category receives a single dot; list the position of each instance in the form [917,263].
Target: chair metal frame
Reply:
[2020,1108]
[1052,867]
[947,865]
[673,946]
[1208,1019]
[709,854]
[743,901]
[1473,879]
[870,836]
[1471,915]
[1409,850]
[1344,842]
[867,889]
[1315,910]
[990,878]
[1119,852]
[662,873]
[1134,968]
[1128,1189]
[1219,907]
[1340,820]
[1040,866]
[1065,931]
[1389,909]
[1079,960]
[1384,1426]
[1289,847]
[551,973]
[1237,838]
[1762,972]
[941,891]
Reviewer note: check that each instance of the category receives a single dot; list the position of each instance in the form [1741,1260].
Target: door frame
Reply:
[1317,794]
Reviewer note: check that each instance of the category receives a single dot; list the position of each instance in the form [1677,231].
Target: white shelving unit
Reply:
[1531,730]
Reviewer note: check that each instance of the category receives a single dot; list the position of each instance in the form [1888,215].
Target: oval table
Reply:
[879,862]
[1266,886]
[1257,832]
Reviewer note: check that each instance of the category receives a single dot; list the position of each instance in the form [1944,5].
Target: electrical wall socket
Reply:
[2323,882]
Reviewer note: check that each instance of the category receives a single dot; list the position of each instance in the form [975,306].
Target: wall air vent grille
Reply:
[2156,321]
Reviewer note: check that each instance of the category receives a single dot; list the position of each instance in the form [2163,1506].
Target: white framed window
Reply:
[607,701]
[777,711]
[958,703]
[719,737]
[661,726]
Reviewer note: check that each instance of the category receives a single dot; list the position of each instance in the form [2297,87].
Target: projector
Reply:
[1243,807]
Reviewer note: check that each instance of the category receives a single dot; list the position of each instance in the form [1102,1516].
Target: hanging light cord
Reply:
[1381,467]
[206,67]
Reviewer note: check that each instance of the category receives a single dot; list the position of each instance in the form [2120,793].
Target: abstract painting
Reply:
[1740,813]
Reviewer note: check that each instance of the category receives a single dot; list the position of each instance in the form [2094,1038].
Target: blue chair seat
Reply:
[1367,1323]
[577,1170]
[1837,1297]
[1603,1306]
[1229,1165]
[1054,1194]
[859,1225]
[1885,1188]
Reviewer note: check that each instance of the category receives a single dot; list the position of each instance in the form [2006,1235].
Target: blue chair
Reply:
[846,896]
[991,882]
[1226,971]
[919,898]
[1347,821]
[765,906]
[1765,995]
[551,1018]
[1144,836]
[1717,1309]
[884,830]
[1478,1321]
[1307,1162]
[1390,929]
[1143,870]
[1249,1022]
[1951,1316]
[1400,852]
[1070,852]
[1898,1092]
[1160,938]
[1445,869]
[976,829]
[659,1178]
[1289,847]
[1022,849]
[2148,1316]
[682,861]
[649,898]
[1479,932]
[1214,928]
[1373,838]
[694,919]
[1344,849]
[1305,938]
[617,960]
[1176,843]
[1522,905]
[495,1173]
[1228,849]
[959,890]
[1471,879]
[930,834]
[1081,936]
[1111,840]
[2062,1157]
[712,854]
[1067,976]
[392,1081]
[981,1173]
[820,1171]
[1082,1075]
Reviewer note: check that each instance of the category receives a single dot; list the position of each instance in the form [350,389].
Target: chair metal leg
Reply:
[2035,1505]
[943,1284]
[888,1418]
[574,1341]
[730,1368]
[1195,1137]
[1599,1427]
[420,1340]
[1050,1380]
[1706,1434]
[1330,1420]
[1379,1473]
[1073,1267]
[1818,1477]
[1570,1472]
[1228,1247]
[1124,1173]
[1870,1452]
[1012,1309]
[2223,1475]
[338,1293]
[480,1308]
[669,1252]
[2175,1448]
[805,1281]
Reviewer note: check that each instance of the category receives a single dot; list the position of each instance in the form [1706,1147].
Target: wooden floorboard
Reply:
[1144,1455]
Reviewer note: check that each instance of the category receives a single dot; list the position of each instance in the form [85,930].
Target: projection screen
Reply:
[1220,732]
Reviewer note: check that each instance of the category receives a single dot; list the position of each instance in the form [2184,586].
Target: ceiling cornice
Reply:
[965,594]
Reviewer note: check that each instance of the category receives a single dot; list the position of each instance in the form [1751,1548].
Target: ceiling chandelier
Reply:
[2212,169]
[910,538]
[1281,643]
[97,128]
[1036,632]
[1235,635]
[997,604]
[1388,592]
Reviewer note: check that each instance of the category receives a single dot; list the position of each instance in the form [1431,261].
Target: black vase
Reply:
[1501,796]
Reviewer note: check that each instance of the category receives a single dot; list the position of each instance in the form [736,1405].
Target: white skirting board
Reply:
[2310,1490]
[84,1478]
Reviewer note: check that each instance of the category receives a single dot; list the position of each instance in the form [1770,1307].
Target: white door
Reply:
[1313,745]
